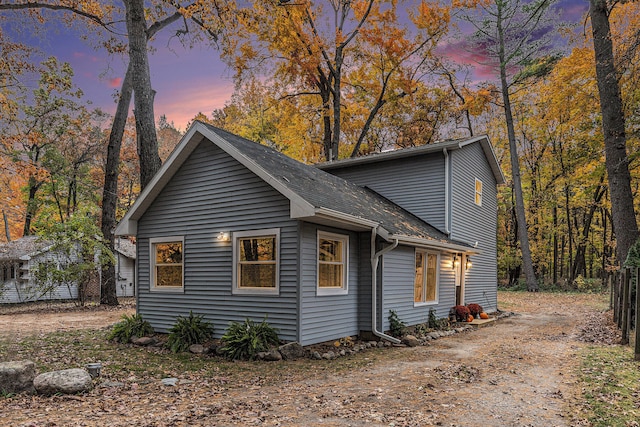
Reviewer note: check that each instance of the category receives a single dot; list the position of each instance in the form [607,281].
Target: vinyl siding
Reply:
[416,183]
[210,193]
[24,287]
[327,317]
[472,223]
[398,278]
[125,270]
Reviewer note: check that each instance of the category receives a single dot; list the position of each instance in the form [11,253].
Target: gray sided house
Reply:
[19,259]
[232,229]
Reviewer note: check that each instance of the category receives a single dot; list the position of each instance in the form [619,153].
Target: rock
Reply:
[380,344]
[434,335]
[410,340]
[329,355]
[169,381]
[291,351]
[143,341]
[67,381]
[316,355]
[272,356]
[16,377]
[196,348]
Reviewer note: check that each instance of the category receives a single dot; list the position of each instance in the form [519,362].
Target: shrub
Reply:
[588,285]
[396,326]
[187,331]
[475,309]
[433,320]
[128,327]
[246,340]
[434,323]
[462,312]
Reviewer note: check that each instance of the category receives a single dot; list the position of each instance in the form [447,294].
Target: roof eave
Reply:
[435,244]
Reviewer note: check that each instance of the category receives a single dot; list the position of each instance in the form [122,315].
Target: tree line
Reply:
[336,78]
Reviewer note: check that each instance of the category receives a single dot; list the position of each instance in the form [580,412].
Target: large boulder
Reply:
[291,351]
[67,381]
[410,340]
[16,377]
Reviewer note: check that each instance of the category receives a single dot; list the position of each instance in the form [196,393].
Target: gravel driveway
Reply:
[518,372]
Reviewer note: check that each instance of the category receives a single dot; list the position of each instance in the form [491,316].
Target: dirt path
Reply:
[518,372]
[20,320]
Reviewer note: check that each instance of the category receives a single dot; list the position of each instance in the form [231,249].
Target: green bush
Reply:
[588,285]
[433,320]
[187,331]
[129,327]
[396,326]
[246,340]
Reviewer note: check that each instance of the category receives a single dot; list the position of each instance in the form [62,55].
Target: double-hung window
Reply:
[256,261]
[167,263]
[425,288]
[333,250]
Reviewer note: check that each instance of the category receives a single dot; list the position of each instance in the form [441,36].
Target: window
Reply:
[256,261]
[425,288]
[167,263]
[333,264]
[478,199]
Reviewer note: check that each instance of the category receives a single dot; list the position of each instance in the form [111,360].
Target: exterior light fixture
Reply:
[224,236]
[469,263]
[456,261]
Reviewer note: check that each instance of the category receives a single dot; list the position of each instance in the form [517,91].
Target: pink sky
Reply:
[189,81]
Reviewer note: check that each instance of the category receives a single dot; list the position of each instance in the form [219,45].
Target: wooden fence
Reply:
[626,304]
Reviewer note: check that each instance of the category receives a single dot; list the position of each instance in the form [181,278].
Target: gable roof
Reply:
[22,248]
[452,144]
[314,195]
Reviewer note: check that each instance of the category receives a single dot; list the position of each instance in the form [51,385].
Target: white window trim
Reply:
[477,193]
[237,235]
[424,275]
[152,263]
[344,238]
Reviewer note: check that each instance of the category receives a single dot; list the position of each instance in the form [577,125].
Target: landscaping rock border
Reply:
[330,350]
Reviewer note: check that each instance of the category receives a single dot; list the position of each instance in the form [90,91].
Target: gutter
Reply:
[375,257]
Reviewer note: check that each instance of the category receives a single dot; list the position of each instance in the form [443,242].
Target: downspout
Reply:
[447,191]
[375,256]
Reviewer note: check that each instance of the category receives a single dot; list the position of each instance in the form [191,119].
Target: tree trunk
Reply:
[527,262]
[613,126]
[33,186]
[337,82]
[143,93]
[108,293]
[580,265]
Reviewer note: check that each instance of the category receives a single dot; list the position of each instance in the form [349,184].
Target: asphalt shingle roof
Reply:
[324,190]
[26,245]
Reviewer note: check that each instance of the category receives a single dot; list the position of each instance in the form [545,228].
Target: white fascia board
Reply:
[435,244]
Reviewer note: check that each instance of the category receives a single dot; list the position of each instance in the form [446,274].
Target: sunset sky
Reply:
[187,81]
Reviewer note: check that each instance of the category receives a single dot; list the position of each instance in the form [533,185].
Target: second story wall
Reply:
[476,223]
[415,183]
